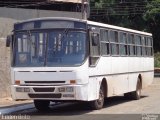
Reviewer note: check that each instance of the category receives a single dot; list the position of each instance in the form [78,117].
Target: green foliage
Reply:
[119,12]
[143,15]
[153,12]
[157,59]
[152,17]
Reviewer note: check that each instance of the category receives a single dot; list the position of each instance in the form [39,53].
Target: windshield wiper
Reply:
[65,32]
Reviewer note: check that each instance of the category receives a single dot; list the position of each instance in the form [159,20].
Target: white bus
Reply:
[67,59]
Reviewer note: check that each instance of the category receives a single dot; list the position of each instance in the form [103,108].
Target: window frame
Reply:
[106,42]
[125,44]
[116,42]
[131,44]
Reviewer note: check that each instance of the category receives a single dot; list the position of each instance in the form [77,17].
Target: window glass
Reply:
[123,49]
[94,46]
[130,39]
[143,51]
[113,36]
[138,40]
[149,42]
[143,41]
[139,51]
[51,48]
[23,43]
[149,51]
[105,48]
[114,48]
[123,37]
[131,50]
[104,35]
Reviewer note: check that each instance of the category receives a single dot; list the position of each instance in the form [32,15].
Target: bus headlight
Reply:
[20,89]
[61,89]
[69,89]
[65,89]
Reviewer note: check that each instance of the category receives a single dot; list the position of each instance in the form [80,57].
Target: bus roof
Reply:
[51,18]
[88,22]
[117,28]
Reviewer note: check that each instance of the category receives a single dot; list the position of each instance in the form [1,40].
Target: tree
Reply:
[125,13]
[152,17]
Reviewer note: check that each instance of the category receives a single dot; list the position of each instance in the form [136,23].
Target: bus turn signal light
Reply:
[17,82]
[72,81]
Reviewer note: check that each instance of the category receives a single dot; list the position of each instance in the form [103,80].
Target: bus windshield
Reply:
[50,48]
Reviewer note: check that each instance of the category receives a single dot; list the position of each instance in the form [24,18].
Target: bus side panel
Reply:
[147,79]
[93,88]
[140,66]
[102,68]
[133,77]
[117,84]
[119,65]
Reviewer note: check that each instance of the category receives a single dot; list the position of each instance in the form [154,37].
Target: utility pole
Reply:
[85,9]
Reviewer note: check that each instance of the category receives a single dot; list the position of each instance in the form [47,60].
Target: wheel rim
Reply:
[100,101]
[138,92]
[139,89]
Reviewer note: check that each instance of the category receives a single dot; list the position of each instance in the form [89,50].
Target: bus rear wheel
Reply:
[42,105]
[136,95]
[98,104]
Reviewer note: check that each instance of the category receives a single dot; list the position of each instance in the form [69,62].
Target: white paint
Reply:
[121,74]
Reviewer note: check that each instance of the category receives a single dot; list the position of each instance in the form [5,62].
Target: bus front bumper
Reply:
[65,92]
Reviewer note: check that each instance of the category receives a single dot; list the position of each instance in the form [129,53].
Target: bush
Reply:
[157,60]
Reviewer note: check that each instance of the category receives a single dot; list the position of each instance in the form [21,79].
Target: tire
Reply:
[127,95]
[42,105]
[98,104]
[136,95]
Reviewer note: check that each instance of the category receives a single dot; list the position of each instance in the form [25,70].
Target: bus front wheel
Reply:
[42,105]
[98,104]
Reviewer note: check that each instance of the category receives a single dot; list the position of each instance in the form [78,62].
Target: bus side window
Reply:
[94,48]
[95,39]
[123,44]
[131,45]
[138,43]
[114,42]
[94,44]
[104,42]
[149,49]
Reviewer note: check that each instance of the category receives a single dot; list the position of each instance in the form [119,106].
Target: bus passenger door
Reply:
[94,48]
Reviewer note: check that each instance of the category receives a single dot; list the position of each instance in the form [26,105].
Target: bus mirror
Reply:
[8,40]
[95,39]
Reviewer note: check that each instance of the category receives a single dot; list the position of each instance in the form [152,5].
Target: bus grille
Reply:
[45,95]
[48,89]
[42,82]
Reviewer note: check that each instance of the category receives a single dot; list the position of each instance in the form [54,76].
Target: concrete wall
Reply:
[8,16]
[4,69]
